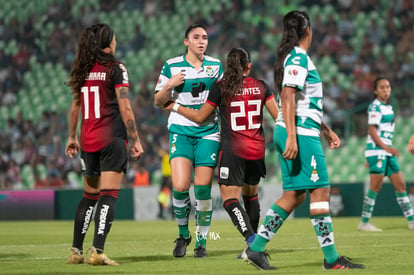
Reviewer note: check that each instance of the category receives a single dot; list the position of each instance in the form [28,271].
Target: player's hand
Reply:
[332,138]
[168,106]
[291,150]
[137,151]
[393,151]
[177,79]
[72,147]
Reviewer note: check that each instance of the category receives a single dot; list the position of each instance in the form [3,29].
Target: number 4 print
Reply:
[95,90]
[313,162]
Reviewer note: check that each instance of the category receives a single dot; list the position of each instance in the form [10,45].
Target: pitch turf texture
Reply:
[41,247]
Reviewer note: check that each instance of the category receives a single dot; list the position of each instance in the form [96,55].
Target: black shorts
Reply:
[113,157]
[234,170]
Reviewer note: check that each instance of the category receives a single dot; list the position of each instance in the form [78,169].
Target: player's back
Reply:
[101,120]
[242,119]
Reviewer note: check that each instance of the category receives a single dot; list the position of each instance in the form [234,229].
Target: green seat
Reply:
[27,177]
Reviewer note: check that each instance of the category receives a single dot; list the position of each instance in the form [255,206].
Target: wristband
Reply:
[175,107]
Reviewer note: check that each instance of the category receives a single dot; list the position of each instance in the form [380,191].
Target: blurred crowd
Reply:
[32,152]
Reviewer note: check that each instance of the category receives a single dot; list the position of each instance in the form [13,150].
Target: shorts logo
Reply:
[379,163]
[213,156]
[173,149]
[83,165]
[224,172]
[314,176]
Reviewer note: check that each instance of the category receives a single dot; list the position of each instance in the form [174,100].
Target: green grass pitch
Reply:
[41,247]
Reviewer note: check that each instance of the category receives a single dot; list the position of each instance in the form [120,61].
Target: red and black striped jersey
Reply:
[101,119]
[242,117]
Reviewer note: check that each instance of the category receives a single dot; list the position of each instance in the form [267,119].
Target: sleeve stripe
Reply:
[122,85]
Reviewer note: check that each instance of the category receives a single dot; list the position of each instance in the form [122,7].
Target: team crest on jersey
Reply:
[314,177]
[209,71]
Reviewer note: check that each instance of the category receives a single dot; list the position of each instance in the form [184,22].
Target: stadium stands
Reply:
[42,87]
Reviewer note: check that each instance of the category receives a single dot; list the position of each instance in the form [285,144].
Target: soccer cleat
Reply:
[200,252]
[99,259]
[368,227]
[75,256]
[181,244]
[342,262]
[411,225]
[257,259]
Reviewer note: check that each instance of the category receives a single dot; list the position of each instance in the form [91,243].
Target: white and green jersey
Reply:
[192,93]
[300,73]
[382,116]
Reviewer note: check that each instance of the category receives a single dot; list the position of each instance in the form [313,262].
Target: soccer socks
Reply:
[275,217]
[405,205]
[182,207]
[83,218]
[104,216]
[203,212]
[252,206]
[239,217]
[322,224]
[368,206]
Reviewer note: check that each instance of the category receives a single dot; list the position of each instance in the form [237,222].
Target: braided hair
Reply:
[294,29]
[237,61]
[90,51]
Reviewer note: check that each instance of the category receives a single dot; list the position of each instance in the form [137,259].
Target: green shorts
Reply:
[308,170]
[200,151]
[383,165]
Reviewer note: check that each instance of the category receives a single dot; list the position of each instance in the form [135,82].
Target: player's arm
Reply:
[411,145]
[122,95]
[372,131]
[330,136]
[72,147]
[197,116]
[162,96]
[271,106]
[289,112]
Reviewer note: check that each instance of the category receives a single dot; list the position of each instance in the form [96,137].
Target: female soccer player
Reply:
[382,157]
[189,77]
[297,140]
[100,91]
[240,100]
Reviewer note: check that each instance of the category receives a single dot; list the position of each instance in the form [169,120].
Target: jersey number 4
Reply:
[95,91]
[242,113]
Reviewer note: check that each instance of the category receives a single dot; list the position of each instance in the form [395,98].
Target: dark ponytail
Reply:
[91,43]
[294,29]
[237,61]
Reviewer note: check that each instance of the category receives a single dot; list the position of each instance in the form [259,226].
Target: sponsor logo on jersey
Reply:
[293,72]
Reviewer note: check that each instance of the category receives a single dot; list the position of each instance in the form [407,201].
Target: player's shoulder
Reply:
[175,60]
[297,56]
[211,59]
[121,66]
[374,105]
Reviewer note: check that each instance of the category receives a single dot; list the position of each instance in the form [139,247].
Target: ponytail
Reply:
[237,61]
[294,29]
